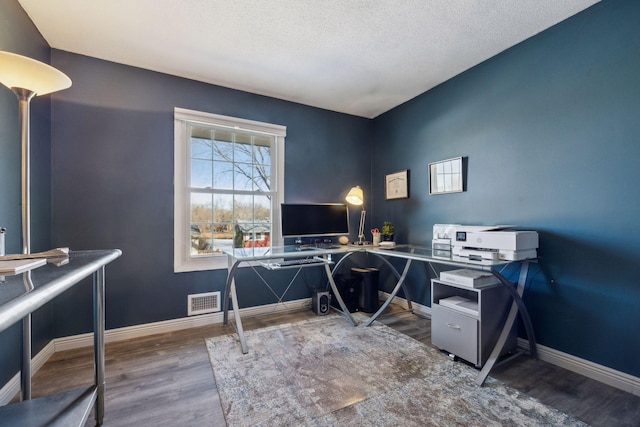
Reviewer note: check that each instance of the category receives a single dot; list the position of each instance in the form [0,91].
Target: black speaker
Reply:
[320,302]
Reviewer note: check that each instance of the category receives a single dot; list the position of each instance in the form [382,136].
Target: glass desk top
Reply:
[415,252]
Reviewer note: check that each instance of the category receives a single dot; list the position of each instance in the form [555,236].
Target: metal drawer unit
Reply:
[467,334]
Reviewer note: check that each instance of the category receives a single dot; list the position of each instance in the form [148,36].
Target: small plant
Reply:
[387,229]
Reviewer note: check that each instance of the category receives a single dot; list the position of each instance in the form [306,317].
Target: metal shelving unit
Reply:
[17,301]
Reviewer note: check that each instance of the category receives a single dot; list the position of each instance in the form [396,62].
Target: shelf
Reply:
[461,304]
[69,408]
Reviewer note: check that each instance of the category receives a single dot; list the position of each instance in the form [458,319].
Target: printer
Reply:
[491,242]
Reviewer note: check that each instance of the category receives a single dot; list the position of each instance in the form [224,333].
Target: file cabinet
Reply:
[467,333]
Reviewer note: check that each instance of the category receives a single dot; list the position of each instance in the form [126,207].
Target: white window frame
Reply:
[182,259]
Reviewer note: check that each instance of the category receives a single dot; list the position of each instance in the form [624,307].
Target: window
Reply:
[228,183]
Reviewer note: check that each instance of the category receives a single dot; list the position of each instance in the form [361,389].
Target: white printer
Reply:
[494,242]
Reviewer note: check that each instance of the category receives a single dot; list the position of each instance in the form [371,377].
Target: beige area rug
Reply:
[325,372]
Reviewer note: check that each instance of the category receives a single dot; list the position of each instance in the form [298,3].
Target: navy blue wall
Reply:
[19,35]
[113,180]
[551,131]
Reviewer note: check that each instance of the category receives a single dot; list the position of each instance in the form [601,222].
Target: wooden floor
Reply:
[166,379]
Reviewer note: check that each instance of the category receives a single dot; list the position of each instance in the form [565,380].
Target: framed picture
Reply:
[396,185]
[446,176]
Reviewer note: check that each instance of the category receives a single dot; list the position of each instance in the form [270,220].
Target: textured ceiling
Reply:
[361,57]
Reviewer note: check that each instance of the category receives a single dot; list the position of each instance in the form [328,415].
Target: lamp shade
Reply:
[355,196]
[17,71]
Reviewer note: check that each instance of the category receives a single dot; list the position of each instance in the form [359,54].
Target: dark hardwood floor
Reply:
[166,379]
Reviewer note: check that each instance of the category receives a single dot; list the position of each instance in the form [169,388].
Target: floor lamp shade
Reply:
[17,71]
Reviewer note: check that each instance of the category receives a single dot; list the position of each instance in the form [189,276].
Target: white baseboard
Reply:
[617,379]
[137,331]
[12,388]
[605,375]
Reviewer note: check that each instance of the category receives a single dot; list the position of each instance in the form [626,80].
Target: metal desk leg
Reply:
[516,305]
[341,303]
[236,315]
[98,343]
[404,287]
[230,293]
[231,271]
[227,289]
[393,294]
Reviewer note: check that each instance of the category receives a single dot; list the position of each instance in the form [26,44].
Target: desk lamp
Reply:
[356,197]
[27,78]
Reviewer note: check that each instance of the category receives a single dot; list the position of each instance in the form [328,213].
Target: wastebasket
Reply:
[349,288]
[368,297]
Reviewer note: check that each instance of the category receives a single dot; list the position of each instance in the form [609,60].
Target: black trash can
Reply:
[368,298]
[349,288]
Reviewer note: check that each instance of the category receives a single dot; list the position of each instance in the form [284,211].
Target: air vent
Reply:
[208,302]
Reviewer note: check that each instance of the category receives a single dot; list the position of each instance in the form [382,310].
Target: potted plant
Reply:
[387,231]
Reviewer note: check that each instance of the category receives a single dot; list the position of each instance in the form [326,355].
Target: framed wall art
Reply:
[446,176]
[396,185]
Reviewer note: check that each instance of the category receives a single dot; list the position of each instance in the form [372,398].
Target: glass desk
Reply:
[425,254]
[22,294]
[409,253]
[269,259]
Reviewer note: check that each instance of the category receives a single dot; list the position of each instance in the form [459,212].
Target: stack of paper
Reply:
[470,278]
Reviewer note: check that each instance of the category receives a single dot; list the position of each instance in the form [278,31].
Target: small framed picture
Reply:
[446,176]
[396,185]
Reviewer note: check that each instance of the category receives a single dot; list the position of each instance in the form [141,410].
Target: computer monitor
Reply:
[314,220]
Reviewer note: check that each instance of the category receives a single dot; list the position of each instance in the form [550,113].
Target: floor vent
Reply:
[203,303]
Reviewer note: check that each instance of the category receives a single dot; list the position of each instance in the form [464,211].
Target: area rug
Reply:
[325,372]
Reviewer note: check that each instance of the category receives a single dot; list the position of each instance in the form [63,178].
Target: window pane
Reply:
[261,178]
[262,151]
[222,175]
[201,174]
[243,208]
[201,208]
[223,235]
[262,209]
[243,149]
[223,212]
[201,148]
[223,148]
[201,239]
[243,177]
